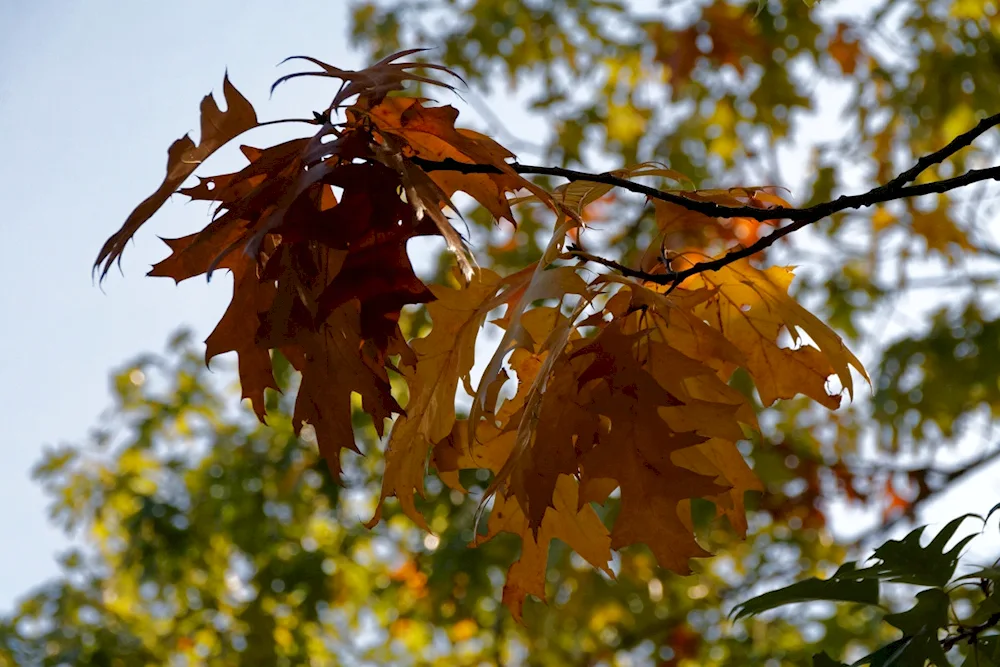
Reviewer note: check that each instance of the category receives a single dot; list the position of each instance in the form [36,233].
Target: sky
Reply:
[91,95]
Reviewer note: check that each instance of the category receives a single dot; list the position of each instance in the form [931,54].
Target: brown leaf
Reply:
[635,449]
[544,282]
[374,82]
[183,157]
[844,52]
[580,529]
[430,133]
[333,367]
[235,331]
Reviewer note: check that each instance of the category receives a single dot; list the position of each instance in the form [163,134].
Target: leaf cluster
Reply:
[619,386]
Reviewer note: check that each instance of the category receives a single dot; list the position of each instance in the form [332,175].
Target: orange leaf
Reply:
[443,356]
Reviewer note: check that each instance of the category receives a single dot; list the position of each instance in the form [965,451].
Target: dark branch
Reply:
[897,188]
[877,195]
[938,156]
[970,634]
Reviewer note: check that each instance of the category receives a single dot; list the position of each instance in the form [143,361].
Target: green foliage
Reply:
[930,628]
[846,585]
[916,396]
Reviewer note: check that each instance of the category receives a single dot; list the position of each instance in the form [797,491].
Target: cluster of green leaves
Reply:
[931,628]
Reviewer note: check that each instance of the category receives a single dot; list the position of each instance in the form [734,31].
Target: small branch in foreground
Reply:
[895,189]
[877,195]
[938,156]
[971,633]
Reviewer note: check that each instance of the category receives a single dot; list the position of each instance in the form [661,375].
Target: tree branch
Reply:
[970,634]
[938,156]
[897,188]
[894,189]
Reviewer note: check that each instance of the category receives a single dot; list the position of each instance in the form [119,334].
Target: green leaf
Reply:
[992,510]
[906,562]
[843,586]
[888,655]
[984,653]
[992,573]
[990,606]
[922,623]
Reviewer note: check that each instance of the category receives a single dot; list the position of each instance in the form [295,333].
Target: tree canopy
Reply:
[659,427]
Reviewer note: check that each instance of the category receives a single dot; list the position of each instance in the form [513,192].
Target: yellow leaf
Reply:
[882,219]
[625,123]
[959,119]
[463,630]
[443,356]
[752,308]
[940,231]
[581,529]
[545,283]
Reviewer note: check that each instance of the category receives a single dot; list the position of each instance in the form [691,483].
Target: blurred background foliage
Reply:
[206,538]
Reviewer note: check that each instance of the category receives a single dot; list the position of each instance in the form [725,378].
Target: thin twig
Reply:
[971,633]
[938,156]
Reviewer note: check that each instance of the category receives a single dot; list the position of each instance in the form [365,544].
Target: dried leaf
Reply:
[183,157]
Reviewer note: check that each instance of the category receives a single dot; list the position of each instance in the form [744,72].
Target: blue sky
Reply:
[91,95]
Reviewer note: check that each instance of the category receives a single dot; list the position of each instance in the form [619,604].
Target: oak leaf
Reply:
[570,520]
[183,157]
[635,449]
[430,133]
[443,356]
[752,308]
[235,332]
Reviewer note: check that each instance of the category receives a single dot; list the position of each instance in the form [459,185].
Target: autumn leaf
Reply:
[577,526]
[444,356]
[939,230]
[752,309]
[845,53]
[619,383]
[183,157]
[236,330]
[569,519]
[635,449]
[733,33]
[430,133]
[333,367]
[373,82]
[550,425]
[543,282]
